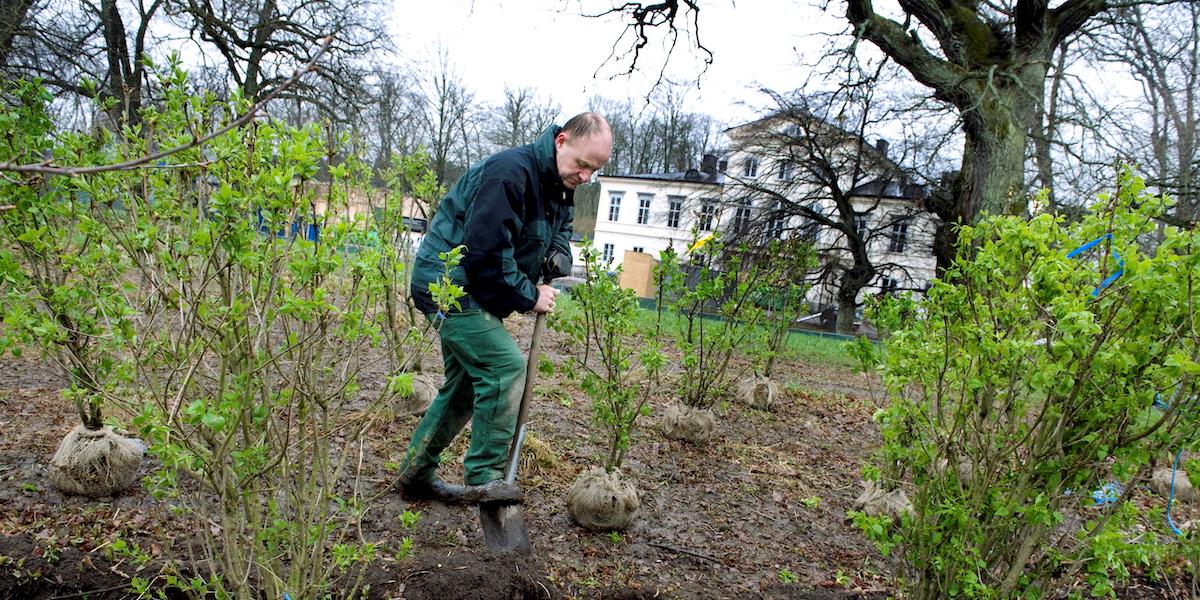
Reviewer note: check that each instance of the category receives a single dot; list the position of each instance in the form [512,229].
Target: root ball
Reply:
[602,501]
[695,425]
[95,462]
[875,501]
[424,389]
[757,392]
[1160,482]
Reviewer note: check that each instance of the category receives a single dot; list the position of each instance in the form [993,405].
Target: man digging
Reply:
[512,211]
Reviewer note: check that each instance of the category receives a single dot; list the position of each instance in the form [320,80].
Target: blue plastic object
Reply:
[1108,493]
[1112,251]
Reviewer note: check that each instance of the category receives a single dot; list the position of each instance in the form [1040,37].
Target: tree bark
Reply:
[995,78]
[12,19]
[853,281]
[120,83]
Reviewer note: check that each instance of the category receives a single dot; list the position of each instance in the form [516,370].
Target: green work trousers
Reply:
[485,374]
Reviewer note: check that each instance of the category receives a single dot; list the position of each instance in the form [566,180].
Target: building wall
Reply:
[911,269]
[657,233]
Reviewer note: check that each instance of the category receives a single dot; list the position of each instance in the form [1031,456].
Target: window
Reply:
[899,237]
[614,205]
[778,221]
[741,218]
[810,227]
[889,285]
[644,208]
[787,170]
[609,251]
[708,212]
[674,209]
[639,249]
[750,168]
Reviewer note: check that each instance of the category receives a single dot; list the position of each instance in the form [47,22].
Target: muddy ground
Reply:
[760,512]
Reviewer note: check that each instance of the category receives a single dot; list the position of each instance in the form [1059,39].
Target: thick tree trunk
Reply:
[996,124]
[993,163]
[122,84]
[853,281]
[991,180]
[12,18]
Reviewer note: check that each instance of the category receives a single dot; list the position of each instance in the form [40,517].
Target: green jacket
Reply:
[509,210]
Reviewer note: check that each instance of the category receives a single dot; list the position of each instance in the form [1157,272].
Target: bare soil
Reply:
[760,512]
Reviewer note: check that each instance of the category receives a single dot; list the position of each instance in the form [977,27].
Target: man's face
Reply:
[579,158]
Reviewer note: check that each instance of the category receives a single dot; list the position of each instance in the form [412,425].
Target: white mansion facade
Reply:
[754,189]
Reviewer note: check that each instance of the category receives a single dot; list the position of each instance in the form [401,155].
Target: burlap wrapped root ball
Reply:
[757,392]
[602,501]
[875,501]
[95,462]
[424,389]
[695,425]
[1160,482]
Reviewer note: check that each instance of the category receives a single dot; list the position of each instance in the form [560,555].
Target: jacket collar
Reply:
[543,148]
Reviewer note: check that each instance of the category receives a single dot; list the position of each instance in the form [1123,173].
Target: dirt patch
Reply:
[723,520]
[478,575]
[29,571]
[756,513]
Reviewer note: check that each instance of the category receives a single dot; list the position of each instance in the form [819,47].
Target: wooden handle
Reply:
[531,369]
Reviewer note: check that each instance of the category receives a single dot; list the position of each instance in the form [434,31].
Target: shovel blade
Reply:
[504,528]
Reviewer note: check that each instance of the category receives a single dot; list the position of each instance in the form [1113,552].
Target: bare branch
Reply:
[45,168]
[646,18]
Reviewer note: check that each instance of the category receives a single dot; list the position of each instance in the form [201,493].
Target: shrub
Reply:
[712,298]
[623,373]
[1022,382]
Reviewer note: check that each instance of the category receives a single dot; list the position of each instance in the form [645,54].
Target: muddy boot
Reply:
[435,490]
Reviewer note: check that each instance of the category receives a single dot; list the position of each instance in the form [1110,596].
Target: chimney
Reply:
[882,146]
[708,164]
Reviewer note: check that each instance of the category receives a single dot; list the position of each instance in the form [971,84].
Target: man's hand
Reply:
[545,299]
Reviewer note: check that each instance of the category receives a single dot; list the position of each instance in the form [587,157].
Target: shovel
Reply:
[504,524]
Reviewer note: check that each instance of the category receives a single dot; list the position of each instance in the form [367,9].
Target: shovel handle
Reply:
[531,369]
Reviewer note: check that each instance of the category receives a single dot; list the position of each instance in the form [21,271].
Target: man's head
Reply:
[581,148]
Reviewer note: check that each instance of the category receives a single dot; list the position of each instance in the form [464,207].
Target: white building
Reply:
[767,187]
[804,176]
[649,212]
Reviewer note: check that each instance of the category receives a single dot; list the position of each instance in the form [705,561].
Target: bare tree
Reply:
[658,135]
[13,14]
[520,118]
[448,109]
[1161,50]
[392,122]
[86,49]
[98,48]
[811,178]
[987,59]
[258,42]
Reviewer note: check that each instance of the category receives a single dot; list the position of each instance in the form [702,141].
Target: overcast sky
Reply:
[549,46]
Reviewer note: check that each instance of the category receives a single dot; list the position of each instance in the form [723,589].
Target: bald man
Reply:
[511,210]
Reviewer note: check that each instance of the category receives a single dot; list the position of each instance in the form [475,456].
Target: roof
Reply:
[688,176]
[793,114]
[885,188]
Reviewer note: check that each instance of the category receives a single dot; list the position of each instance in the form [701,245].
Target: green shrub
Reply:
[623,372]
[1020,384]
[242,344]
[63,285]
[711,297]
